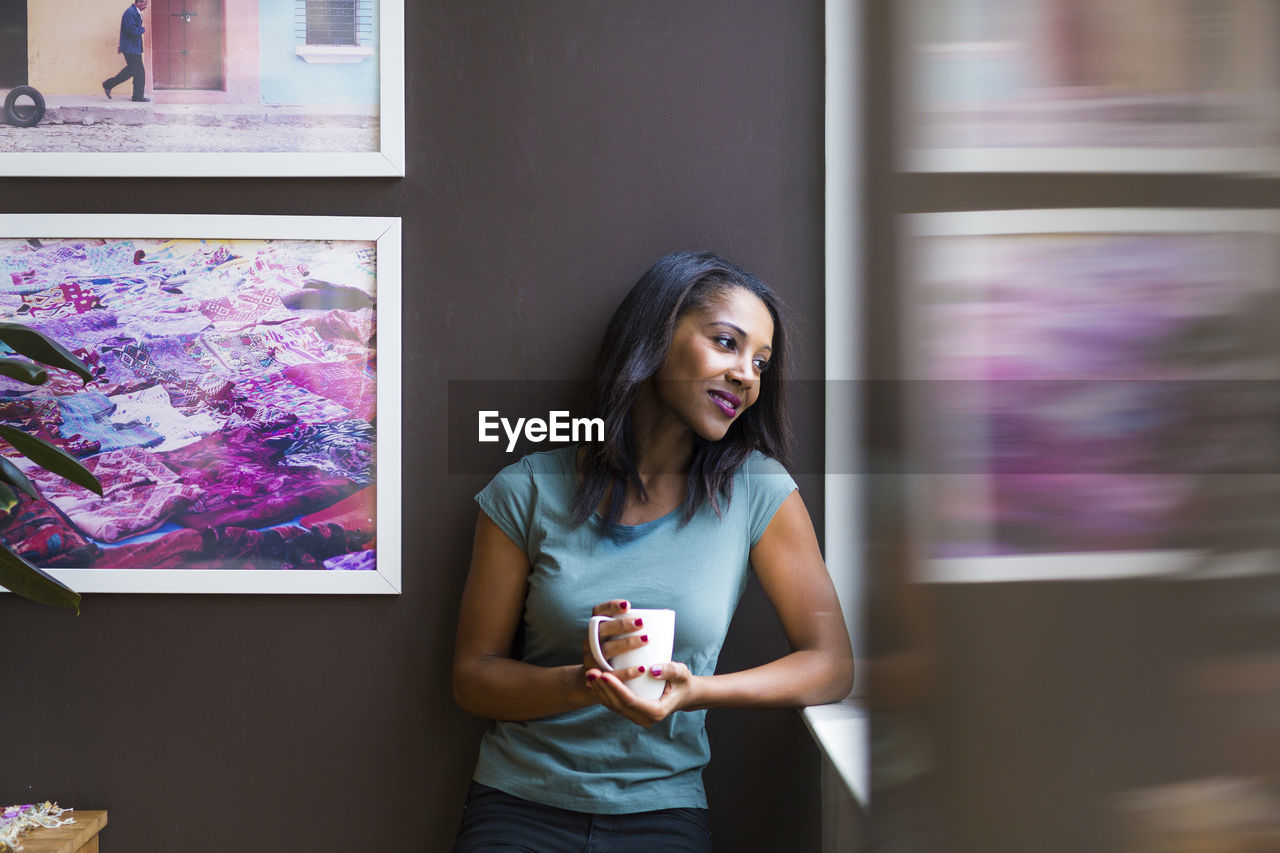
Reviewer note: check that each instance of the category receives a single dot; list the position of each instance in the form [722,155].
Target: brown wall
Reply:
[554,151]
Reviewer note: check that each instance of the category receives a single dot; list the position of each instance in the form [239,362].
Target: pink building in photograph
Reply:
[205,51]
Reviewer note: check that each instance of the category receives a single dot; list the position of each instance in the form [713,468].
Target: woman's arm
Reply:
[819,668]
[487,682]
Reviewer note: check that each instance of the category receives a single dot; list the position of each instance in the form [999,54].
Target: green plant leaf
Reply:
[20,577]
[50,458]
[32,344]
[12,475]
[23,371]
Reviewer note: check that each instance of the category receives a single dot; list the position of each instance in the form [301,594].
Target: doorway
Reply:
[187,39]
[13,44]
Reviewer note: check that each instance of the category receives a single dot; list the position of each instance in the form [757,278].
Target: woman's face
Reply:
[712,372]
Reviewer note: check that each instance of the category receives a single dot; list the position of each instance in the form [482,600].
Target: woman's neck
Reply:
[663,442]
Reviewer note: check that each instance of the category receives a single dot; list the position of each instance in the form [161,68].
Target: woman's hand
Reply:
[614,628]
[610,689]
[611,692]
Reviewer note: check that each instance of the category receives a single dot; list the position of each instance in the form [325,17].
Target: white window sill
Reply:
[1100,566]
[333,53]
[841,731]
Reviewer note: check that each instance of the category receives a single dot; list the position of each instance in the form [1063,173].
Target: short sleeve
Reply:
[768,485]
[509,501]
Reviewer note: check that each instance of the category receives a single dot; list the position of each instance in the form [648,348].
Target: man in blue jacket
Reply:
[131,31]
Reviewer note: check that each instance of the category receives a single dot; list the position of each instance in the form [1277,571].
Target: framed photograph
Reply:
[1088,86]
[200,88]
[244,416]
[1093,391]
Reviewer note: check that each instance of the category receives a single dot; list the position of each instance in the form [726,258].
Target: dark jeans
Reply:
[134,68]
[493,820]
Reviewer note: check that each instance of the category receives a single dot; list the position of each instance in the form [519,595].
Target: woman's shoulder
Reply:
[537,480]
[759,464]
[559,461]
[766,483]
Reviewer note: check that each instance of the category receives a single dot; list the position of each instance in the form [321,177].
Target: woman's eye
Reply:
[726,341]
[762,364]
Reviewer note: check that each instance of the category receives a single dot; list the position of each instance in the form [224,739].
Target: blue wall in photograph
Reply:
[288,79]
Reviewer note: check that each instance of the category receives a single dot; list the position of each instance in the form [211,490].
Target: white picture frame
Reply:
[385,233]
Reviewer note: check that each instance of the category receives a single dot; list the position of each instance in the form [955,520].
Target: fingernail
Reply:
[644,638]
[640,668]
[623,605]
[591,676]
[657,670]
[639,623]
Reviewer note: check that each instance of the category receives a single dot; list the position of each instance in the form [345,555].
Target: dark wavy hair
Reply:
[635,344]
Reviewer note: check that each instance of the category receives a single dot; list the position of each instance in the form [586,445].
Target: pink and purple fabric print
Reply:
[230,419]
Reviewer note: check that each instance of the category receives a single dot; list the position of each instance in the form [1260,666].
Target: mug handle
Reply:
[593,639]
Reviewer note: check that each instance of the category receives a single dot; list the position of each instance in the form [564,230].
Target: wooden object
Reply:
[78,837]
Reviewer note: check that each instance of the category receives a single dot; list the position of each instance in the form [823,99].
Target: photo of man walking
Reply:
[215,77]
[131,31]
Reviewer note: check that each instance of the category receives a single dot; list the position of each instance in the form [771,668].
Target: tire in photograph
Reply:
[24,114]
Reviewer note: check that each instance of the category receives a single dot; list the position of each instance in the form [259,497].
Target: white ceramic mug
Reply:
[660,626]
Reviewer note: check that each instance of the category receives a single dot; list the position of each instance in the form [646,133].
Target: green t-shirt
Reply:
[591,759]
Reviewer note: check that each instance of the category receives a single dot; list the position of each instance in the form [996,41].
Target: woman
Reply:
[683,497]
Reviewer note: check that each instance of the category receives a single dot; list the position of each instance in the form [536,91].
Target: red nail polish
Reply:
[657,670]
[639,623]
[644,638]
[623,605]
[640,668]
[591,676]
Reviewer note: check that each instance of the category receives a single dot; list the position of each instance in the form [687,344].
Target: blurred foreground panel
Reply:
[1093,467]
[1092,73]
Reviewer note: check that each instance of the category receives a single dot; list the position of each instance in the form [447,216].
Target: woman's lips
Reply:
[725,401]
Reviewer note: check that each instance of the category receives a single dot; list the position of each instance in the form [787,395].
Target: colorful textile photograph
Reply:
[1104,385]
[257,87]
[232,418]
